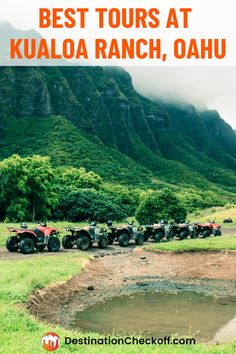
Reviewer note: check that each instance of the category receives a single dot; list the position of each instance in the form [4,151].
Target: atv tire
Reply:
[206,233]
[27,245]
[123,240]
[170,235]
[139,239]
[194,235]
[54,244]
[103,241]
[67,242]
[217,233]
[41,248]
[83,243]
[158,237]
[12,244]
[183,235]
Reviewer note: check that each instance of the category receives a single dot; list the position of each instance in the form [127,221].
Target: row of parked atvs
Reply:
[28,240]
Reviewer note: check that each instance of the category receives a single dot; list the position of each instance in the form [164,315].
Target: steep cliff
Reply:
[93,117]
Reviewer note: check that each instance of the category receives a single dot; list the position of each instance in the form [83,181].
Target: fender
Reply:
[21,232]
[83,232]
[47,231]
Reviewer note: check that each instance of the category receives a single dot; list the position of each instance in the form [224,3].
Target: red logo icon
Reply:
[50,341]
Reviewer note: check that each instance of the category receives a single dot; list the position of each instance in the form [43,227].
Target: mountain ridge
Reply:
[93,117]
[102,106]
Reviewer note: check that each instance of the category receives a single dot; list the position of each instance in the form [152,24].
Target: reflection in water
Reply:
[162,315]
[226,333]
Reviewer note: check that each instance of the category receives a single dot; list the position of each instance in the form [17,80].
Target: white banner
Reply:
[118,32]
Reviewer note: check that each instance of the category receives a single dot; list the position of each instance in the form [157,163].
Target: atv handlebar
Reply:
[43,224]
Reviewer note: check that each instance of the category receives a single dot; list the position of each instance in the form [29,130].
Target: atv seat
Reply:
[39,233]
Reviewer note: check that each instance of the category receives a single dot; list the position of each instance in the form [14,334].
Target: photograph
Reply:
[117,177]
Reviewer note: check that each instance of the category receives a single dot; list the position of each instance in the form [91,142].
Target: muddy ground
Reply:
[135,270]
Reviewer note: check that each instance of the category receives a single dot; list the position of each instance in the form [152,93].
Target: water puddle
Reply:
[206,318]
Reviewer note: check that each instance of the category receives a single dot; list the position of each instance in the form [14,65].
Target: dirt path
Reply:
[136,270]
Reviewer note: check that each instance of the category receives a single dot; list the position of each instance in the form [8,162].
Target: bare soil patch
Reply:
[136,270]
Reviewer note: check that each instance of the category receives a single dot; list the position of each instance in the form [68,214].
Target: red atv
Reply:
[206,229]
[26,240]
[84,237]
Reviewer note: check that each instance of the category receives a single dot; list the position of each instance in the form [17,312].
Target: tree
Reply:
[127,199]
[88,204]
[26,186]
[195,199]
[160,205]
[77,178]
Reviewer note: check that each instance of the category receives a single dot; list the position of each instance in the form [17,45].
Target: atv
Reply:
[26,240]
[180,230]
[228,221]
[206,229]
[124,233]
[84,237]
[156,232]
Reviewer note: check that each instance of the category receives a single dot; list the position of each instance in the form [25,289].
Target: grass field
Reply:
[218,214]
[208,244]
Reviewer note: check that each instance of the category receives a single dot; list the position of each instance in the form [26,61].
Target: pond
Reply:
[185,313]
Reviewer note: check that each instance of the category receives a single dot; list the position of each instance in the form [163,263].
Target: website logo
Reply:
[50,341]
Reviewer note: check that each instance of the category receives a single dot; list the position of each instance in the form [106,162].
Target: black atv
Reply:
[84,237]
[228,221]
[155,232]
[124,233]
[180,230]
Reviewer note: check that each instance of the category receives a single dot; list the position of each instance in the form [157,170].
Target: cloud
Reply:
[211,87]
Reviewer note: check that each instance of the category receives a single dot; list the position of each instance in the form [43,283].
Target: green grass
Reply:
[218,214]
[209,244]
[21,333]
[19,278]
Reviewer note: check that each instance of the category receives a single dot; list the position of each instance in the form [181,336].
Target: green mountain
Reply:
[93,117]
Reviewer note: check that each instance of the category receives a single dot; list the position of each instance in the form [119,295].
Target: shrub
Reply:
[88,204]
[127,199]
[160,205]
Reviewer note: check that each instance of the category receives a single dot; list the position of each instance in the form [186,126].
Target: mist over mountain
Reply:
[205,87]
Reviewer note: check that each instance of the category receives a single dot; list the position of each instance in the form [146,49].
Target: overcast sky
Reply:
[213,87]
